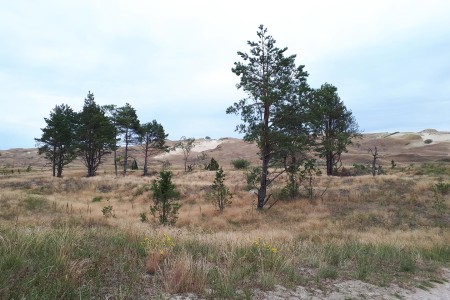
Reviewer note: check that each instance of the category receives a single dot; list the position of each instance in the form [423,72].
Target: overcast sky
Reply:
[171,60]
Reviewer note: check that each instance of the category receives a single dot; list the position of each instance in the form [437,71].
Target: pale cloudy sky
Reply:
[172,60]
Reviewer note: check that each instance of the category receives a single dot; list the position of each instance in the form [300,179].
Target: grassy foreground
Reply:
[56,243]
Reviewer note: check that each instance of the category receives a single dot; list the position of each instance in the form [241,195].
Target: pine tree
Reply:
[165,199]
[112,113]
[332,124]
[152,138]
[57,142]
[270,80]
[128,125]
[220,194]
[95,135]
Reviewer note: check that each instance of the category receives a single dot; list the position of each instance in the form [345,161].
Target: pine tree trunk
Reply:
[145,161]
[54,161]
[262,192]
[115,159]
[125,159]
[329,163]
[60,167]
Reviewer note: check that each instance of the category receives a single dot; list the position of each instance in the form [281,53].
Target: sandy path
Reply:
[351,289]
[355,289]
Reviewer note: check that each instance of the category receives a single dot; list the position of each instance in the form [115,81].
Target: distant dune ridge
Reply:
[429,145]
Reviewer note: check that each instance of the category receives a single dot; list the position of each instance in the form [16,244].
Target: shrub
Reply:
[240,163]
[213,165]
[253,178]
[360,169]
[107,211]
[166,164]
[393,164]
[165,197]
[134,165]
[220,194]
[442,187]
[143,216]
[97,199]
[428,141]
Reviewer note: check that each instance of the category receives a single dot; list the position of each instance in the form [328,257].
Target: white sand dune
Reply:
[199,146]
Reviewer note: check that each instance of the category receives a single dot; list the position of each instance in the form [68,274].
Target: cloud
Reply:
[172,59]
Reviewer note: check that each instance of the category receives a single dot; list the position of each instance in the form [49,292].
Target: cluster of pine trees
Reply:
[286,118]
[94,132]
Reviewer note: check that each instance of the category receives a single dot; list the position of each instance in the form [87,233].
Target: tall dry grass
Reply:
[382,230]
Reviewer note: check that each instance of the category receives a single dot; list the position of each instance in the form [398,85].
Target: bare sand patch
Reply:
[199,146]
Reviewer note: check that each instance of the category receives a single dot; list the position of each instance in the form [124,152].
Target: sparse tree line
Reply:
[95,132]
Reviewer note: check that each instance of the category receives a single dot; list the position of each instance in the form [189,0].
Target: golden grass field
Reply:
[388,230]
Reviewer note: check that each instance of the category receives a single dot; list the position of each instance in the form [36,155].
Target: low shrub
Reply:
[213,165]
[107,211]
[240,163]
[97,199]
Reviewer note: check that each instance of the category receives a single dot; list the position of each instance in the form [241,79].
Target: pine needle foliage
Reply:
[165,199]
[220,194]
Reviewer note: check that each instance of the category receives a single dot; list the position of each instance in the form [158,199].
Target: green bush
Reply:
[97,199]
[143,217]
[213,165]
[442,187]
[253,177]
[240,163]
[134,165]
[107,211]
[434,169]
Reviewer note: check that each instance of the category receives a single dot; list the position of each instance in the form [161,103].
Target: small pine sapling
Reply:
[213,165]
[220,195]
[134,165]
[165,199]
[309,175]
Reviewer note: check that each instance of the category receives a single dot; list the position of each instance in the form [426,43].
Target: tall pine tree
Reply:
[128,125]
[153,140]
[57,142]
[95,135]
[269,78]
[332,124]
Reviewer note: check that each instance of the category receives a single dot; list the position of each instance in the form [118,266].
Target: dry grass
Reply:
[381,230]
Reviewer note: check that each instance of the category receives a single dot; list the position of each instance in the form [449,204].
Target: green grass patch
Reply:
[97,199]
[435,169]
[68,263]
[34,203]
[367,261]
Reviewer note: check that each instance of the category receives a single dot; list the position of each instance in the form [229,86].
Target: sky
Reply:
[171,60]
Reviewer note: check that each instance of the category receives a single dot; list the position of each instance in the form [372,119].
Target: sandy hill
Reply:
[403,147]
